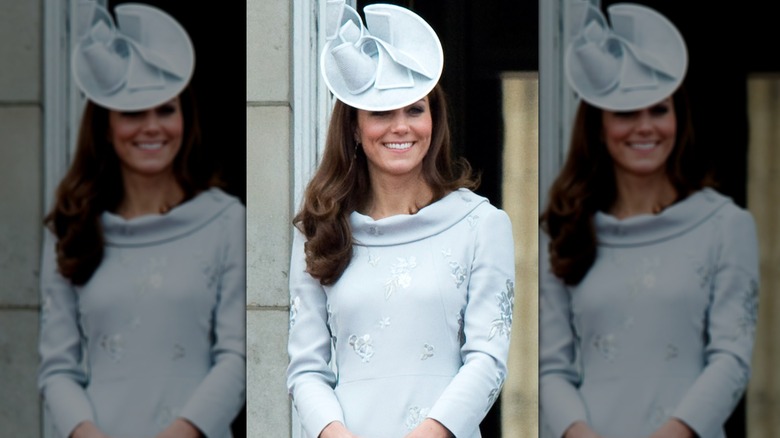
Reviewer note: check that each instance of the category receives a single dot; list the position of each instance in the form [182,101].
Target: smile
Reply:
[399,146]
[642,146]
[150,146]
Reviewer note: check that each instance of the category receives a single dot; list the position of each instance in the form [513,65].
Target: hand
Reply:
[336,429]
[580,429]
[87,429]
[674,428]
[180,428]
[430,428]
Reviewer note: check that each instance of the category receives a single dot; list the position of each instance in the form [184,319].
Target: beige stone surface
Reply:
[268,406]
[20,204]
[269,34]
[20,50]
[268,205]
[19,401]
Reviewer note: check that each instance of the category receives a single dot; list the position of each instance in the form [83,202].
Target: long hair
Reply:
[93,184]
[341,185]
[586,185]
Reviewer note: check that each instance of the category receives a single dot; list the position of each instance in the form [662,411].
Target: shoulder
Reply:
[727,211]
[224,204]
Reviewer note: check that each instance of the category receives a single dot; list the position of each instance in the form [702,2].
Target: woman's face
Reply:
[641,141]
[147,141]
[396,141]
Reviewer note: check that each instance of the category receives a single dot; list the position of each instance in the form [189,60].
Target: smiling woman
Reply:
[649,292]
[396,265]
[137,340]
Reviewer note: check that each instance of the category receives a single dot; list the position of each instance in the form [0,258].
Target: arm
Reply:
[560,402]
[310,379]
[731,319]
[61,375]
[487,324]
[219,397]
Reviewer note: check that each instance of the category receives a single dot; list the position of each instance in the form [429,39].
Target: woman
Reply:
[142,278]
[648,301]
[399,269]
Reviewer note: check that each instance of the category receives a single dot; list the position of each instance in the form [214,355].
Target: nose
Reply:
[400,123]
[151,122]
[645,122]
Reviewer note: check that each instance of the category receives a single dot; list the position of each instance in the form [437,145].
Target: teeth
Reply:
[150,146]
[642,146]
[398,146]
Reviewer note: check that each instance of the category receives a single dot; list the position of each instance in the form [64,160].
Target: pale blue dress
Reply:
[661,326]
[419,323]
[158,332]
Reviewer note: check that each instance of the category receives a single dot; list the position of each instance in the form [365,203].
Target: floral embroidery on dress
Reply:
[645,276]
[114,345]
[506,300]
[749,319]
[456,270]
[660,415]
[458,273]
[472,219]
[153,278]
[210,269]
[400,275]
[384,322]
[671,351]
[493,396]
[363,346]
[606,345]
[375,231]
[178,352]
[705,271]
[415,415]
[373,260]
[295,305]
[427,351]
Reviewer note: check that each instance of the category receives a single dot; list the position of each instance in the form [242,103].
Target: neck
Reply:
[642,195]
[145,195]
[398,195]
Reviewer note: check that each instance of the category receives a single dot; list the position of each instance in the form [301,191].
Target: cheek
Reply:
[121,130]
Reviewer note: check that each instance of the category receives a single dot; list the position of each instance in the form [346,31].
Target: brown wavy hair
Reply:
[93,184]
[586,184]
[341,185]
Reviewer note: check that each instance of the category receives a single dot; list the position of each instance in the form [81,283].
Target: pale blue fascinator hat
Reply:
[636,60]
[143,60]
[392,61]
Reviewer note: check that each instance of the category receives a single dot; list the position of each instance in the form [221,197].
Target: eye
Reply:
[131,114]
[625,114]
[416,109]
[660,109]
[166,109]
[379,113]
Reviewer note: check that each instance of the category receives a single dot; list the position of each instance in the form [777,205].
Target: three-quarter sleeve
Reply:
[487,323]
[219,397]
[730,330]
[559,399]
[62,375]
[310,378]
